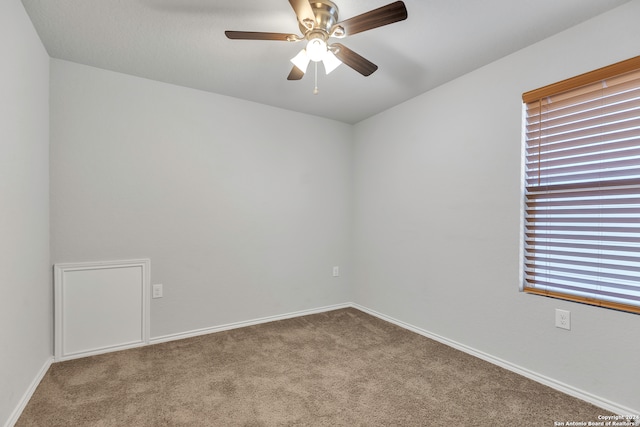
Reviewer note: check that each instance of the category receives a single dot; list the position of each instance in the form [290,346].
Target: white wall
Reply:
[243,209]
[437,208]
[25,277]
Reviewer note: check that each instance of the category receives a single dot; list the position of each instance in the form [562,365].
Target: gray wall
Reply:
[243,209]
[437,208]
[26,299]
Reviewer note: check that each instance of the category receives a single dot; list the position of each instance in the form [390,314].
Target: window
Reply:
[582,188]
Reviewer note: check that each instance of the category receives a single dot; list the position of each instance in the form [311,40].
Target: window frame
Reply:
[538,95]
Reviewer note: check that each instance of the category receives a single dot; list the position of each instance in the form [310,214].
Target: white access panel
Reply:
[100,307]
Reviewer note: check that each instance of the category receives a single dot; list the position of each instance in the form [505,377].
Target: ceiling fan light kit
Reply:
[316,49]
[318,22]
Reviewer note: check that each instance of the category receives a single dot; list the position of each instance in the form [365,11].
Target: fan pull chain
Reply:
[315,89]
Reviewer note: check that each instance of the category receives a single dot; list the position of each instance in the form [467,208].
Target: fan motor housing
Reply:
[326,13]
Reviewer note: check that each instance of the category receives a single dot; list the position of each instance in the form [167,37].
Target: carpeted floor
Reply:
[340,368]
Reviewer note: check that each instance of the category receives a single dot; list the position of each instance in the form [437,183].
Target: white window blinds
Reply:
[582,188]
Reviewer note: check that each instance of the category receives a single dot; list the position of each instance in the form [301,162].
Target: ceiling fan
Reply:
[318,22]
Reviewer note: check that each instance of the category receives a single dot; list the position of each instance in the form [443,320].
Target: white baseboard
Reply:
[550,382]
[165,338]
[27,395]
[564,388]
[235,325]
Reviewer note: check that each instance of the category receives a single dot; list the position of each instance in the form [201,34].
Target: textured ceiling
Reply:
[182,42]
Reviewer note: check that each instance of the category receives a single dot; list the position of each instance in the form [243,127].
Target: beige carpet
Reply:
[341,368]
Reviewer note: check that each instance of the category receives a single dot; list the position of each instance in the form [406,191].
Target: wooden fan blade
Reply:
[295,74]
[304,12]
[384,15]
[255,35]
[353,60]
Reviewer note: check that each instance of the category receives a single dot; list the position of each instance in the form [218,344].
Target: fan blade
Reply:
[255,35]
[353,60]
[295,74]
[384,15]
[304,12]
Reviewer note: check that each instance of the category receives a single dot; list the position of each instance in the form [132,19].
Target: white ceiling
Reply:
[183,42]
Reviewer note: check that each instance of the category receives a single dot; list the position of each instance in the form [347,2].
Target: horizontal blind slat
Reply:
[564,144]
[602,279]
[579,147]
[604,292]
[550,179]
[584,229]
[589,255]
[590,286]
[625,105]
[586,189]
[582,212]
[587,164]
[605,238]
[584,220]
[597,247]
[544,264]
[557,283]
[610,132]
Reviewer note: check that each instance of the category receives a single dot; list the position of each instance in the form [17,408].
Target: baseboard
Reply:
[165,338]
[550,382]
[27,395]
[242,324]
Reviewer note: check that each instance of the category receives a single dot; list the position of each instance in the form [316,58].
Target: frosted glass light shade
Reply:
[316,49]
[301,60]
[331,62]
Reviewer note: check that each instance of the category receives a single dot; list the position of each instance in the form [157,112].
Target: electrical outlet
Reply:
[157,291]
[336,271]
[563,319]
